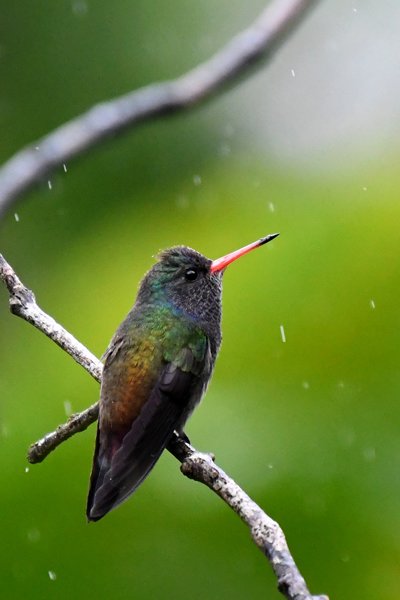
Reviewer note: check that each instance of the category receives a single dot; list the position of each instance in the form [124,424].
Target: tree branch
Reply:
[255,44]
[265,532]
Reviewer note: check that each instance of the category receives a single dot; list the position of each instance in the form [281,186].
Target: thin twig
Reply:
[255,44]
[265,532]
[76,423]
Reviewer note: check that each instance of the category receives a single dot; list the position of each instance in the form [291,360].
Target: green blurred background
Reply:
[308,147]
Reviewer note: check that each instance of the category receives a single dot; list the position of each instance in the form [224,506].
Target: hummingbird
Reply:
[156,369]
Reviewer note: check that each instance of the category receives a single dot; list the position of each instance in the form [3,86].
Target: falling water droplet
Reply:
[369,454]
[33,535]
[67,408]
[80,8]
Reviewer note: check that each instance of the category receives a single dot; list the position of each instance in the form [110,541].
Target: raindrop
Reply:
[197,180]
[67,408]
[52,575]
[33,535]
[26,469]
[49,184]
[80,8]
[293,73]
[372,304]
[306,385]
[369,454]
[16,217]
[283,335]
[65,167]
[271,207]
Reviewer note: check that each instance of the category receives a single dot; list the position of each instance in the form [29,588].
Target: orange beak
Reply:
[221,263]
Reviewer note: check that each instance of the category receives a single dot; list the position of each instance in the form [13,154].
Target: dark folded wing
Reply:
[123,460]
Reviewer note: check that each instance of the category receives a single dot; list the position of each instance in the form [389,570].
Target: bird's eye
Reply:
[191,274]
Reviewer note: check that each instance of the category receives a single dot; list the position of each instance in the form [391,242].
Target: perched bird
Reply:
[156,369]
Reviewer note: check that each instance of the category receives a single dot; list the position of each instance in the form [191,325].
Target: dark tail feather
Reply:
[118,472]
[94,477]
[103,453]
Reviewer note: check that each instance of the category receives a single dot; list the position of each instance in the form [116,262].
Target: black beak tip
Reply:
[268,238]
